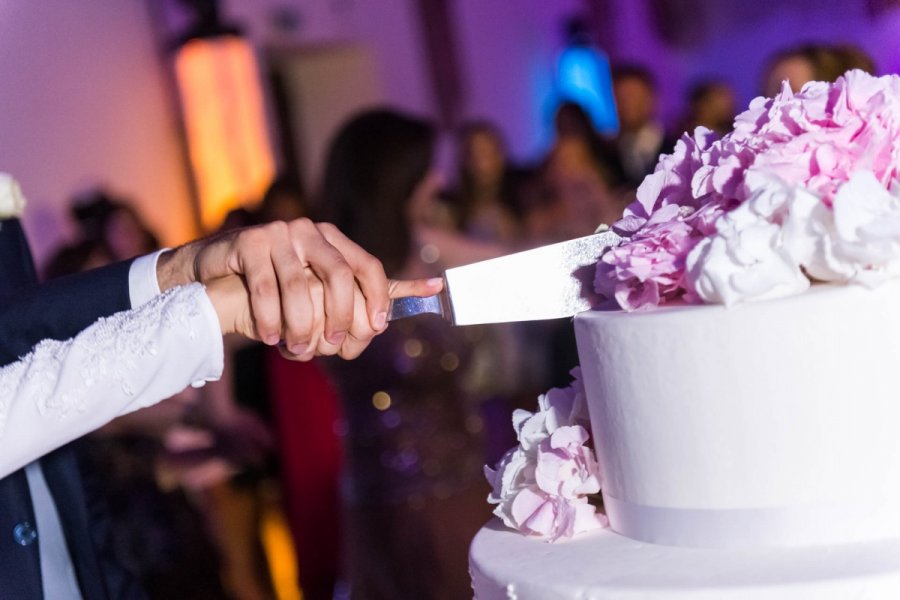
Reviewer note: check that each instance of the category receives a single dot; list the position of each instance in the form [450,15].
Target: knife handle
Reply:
[414,305]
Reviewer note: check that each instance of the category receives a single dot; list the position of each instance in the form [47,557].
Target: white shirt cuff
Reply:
[214,363]
[142,282]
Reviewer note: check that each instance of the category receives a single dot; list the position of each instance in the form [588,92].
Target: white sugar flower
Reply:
[12,202]
[541,486]
[747,258]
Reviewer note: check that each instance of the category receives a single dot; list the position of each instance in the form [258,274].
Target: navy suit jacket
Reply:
[30,313]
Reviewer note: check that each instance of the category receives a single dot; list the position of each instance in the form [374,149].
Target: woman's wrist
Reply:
[228,297]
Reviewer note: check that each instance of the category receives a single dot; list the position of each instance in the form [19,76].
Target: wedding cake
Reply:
[739,413]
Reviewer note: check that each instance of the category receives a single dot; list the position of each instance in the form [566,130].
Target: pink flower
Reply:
[554,517]
[817,139]
[541,486]
[649,268]
[670,183]
[565,466]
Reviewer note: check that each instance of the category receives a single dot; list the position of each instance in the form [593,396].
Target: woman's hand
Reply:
[231,299]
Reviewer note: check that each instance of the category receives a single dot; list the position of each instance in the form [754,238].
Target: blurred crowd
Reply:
[374,466]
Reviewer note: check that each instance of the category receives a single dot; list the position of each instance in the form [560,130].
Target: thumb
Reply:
[402,288]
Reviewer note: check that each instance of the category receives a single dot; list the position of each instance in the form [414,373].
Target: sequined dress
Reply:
[413,486]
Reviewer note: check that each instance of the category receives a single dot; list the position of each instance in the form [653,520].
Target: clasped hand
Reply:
[301,285]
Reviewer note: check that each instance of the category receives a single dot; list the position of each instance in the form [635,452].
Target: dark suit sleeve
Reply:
[61,308]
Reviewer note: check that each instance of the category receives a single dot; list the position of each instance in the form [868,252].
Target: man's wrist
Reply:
[176,267]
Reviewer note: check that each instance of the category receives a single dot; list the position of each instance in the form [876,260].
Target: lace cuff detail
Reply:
[120,363]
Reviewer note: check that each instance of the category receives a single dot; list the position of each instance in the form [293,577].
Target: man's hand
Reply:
[308,286]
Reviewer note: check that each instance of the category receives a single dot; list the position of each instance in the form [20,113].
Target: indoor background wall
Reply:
[83,102]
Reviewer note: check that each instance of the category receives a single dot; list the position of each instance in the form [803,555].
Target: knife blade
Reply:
[543,283]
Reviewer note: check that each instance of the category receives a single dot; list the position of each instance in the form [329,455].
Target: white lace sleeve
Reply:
[63,390]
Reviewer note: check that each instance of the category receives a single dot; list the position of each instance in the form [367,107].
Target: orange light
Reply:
[225,121]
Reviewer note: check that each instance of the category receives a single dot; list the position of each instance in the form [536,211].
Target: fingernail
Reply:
[298,349]
[272,340]
[336,337]
[380,320]
[434,282]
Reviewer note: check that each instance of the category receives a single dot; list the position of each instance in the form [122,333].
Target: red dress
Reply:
[307,414]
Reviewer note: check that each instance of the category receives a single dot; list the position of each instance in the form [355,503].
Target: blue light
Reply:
[583,76]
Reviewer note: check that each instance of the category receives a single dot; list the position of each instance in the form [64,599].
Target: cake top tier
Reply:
[804,189]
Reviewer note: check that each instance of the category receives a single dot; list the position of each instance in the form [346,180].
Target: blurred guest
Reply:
[283,201]
[486,202]
[711,104]
[642,137]
[850,56]
[78,257]
[298,403]
[306,419]
[113,220]
[580,185]
[413,490]
[108,228]
[571,121]
[812,62]
[582,195]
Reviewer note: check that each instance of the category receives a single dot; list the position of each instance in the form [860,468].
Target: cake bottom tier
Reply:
[603,565]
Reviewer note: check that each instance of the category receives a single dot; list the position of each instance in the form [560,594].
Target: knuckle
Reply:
[277,228]
[264,288]
[266,320]
[374,266]
[340,273]
[294,283]
[302,224]
[254,235]
[327,228]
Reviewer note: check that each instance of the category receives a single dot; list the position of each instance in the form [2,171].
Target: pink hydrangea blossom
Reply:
[649,268]
[817,140]
[541,486]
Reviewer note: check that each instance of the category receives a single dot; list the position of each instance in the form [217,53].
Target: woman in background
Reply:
[812,62]
[413,490]
[486,201]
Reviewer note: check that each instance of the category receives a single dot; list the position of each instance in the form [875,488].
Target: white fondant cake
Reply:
[756,447]
[762,439]
[774,423]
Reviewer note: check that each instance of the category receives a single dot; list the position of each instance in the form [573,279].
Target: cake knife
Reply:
[544,283]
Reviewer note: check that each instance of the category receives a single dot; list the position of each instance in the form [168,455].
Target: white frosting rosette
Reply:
[747,257]
[12,202]
[784,235]
[861,234]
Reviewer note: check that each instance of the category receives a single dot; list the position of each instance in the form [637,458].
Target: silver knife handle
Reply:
[413,305]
